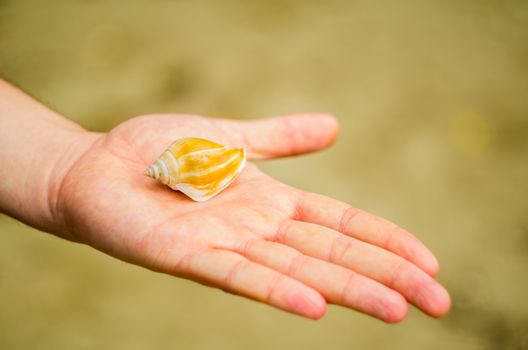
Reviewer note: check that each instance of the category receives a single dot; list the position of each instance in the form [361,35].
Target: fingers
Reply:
[337,284]
[236,274]
[369,260]
[287,135]
[356,223]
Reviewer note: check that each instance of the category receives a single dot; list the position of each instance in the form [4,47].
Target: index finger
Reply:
[367,227]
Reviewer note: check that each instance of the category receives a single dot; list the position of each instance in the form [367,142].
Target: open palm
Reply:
[259,238]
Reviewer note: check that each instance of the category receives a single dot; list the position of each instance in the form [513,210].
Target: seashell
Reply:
[199,168]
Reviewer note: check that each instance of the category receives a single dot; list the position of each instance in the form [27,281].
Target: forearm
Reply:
[38,148]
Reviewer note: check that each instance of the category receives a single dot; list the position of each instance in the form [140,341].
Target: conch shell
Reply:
[199,168]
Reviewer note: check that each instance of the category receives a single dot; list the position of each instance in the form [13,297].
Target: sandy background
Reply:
[432,98]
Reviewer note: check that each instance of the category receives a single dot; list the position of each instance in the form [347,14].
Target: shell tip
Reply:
[147,172]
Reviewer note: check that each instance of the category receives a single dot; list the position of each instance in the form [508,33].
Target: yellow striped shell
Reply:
[199,168]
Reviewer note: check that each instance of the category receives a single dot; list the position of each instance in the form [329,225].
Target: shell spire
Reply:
[197,167]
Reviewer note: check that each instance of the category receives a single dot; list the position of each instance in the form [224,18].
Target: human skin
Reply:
[259,238]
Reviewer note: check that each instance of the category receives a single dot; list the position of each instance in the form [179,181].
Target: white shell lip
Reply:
[198,196]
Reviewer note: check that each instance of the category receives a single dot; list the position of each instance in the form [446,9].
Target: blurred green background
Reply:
[432,98]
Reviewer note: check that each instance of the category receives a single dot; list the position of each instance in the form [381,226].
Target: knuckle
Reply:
[230,278]
[296,264]
[273,287]
[247,246]
[348,215]
[394,275]
[390,236]
[282,232]
[340,247]
[344,289]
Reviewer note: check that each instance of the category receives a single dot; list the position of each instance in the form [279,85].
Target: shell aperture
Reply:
[197,167]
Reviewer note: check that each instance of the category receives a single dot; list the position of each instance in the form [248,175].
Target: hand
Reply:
[259,238]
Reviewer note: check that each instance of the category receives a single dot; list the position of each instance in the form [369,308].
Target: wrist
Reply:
[38,148]
[73,147]
[31,189]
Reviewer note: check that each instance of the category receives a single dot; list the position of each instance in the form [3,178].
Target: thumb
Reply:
[288,135]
